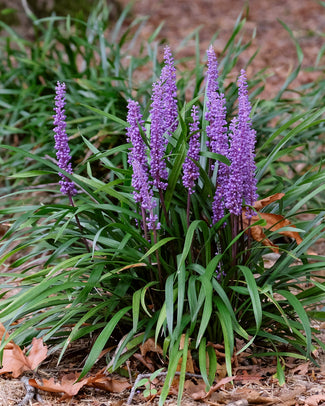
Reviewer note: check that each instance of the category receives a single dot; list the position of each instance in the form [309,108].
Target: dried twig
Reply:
[31,393]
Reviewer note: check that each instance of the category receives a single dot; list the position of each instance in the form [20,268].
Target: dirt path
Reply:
[306,18]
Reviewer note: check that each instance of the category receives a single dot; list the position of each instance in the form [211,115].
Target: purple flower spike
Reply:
[212,75]
[143,194]
[234,194]
[137,158]
[163,119]
[249,134]
[157,140]
[242,181]
[138,149]
[191,170]
[168,80]
[217,133]
[61,141]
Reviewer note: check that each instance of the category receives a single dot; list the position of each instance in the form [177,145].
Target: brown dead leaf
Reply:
[195,389]
[16,362]
[252,396]
[3,332]
[150,346]
[37,354]
[274,222]
[189,359]
[68,385]
[315,400]
[201,394]
[268,200]
[301,369]
[104,382]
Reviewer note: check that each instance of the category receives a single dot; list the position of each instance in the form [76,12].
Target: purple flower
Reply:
[137,158]
[143,194]
[234,193]
[191,170]
[249,134]
[242,181]
[157,141]
[212,75]
[168,80]
[133,134]
[217,132]
[61,141]
[163,119]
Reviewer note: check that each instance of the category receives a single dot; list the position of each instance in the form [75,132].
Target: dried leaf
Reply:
[268,200]
[107,383]
[68,385]
[189,361]
[37,354]
[301,369]
[150,346]
[201,394]
[315,400]
[16,362]
[3,331]
[274,222]
[195,389]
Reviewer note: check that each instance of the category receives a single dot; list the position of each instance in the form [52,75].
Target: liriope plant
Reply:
[172,245]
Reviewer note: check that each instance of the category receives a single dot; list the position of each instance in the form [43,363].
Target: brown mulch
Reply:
[277,52]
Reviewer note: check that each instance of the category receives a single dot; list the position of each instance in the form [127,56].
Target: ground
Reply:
[305,382]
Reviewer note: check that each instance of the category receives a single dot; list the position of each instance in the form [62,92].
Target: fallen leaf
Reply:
[16,362]
[3,332]
[301,369]
[201,394]
[104,382]
[68,385]
[267,200]
[189,361]
[315,399]
[274,222]
[150,346]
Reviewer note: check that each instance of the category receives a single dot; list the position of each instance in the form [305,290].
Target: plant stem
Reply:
[145,229]
[162,201]
[188,209]
[79,225]
[188,221]
[234,233]
[161,280]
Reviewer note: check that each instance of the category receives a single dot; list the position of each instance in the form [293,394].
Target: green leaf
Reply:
[30,174]
[254,295]
[102,340]
[301,313]
[228,333]
[107,115]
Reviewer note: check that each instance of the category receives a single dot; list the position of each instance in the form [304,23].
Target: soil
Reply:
[277,51]
[305,382]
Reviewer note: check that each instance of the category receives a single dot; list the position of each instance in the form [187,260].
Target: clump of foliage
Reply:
[171,241]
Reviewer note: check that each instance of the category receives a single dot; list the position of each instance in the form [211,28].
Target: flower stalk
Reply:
[63,151]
